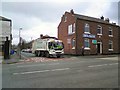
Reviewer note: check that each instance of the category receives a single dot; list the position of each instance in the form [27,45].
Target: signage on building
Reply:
[88,36]
[94,41]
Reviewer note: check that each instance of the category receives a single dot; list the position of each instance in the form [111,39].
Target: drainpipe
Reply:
[76,36]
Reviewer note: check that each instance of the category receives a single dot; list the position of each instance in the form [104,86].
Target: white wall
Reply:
[6,29]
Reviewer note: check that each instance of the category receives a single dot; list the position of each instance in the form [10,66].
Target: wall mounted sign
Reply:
[88,36]
[94,41]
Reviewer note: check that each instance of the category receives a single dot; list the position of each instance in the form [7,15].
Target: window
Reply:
[73,43]
[55,45]
[65,18]
[71,29]
[110,32]
[87,29]
[99,30]
[86,43]
[110,45]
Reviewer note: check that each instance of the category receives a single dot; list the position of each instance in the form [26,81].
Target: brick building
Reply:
[96,35]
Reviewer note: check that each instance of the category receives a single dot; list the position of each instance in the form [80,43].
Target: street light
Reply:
[20,42]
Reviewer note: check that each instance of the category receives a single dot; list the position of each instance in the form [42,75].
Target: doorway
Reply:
[99,48]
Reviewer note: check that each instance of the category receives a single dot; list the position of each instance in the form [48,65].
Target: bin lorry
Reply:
[48,47]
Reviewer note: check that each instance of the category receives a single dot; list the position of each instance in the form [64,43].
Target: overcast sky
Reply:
[37,17]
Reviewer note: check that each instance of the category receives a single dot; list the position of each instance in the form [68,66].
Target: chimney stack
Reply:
[107,19]
[41,36]
[102,18]
[71,11]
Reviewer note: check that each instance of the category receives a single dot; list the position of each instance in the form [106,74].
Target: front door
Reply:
[99,48]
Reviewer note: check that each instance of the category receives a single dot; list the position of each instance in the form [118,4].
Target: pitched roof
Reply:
[78,16]
[93,19]
[4,19]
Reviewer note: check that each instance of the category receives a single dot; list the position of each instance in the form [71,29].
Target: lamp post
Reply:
[20,42]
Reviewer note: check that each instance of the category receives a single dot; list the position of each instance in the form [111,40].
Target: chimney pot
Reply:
[41,35]
[102,18]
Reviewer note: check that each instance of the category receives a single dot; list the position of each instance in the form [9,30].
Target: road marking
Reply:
[60,69]
[30,65]
[37,65]
[40,71]
[113,64]
[98,65]
[102,65]
[31,72]
[109,58]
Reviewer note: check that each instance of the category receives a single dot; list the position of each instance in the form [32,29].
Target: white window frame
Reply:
[73,41]
[87,27]
[110,43]
[87,48]
[69,29]
[110,29]
[100,28]
[65,18]
[74,28]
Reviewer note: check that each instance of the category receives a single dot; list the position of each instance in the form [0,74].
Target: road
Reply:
[67,72]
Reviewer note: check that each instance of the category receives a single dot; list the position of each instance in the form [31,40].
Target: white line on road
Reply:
[98,65]
[113,64]
[102,65]
[41,71]
[109,58]
[60,69]
[36,65]
[31,72]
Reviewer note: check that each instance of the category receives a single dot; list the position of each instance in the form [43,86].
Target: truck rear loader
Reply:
[48,47]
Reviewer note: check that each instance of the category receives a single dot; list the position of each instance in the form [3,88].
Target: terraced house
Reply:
[96,35]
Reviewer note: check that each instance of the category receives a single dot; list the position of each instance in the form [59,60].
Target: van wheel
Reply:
[39,54]
[42,54]
[47,55]
[36,53]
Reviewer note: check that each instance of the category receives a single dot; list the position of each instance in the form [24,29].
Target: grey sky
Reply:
[43,17]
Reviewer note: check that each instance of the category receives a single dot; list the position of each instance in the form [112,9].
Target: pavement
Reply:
[1,58]
[13,59]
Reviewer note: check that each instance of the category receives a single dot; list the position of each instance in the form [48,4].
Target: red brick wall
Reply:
[63,32]
[63,35]
[104,38]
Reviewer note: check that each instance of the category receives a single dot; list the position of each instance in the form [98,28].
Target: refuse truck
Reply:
[48,47]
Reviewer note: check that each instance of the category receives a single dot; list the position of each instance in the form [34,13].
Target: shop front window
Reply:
[86,43]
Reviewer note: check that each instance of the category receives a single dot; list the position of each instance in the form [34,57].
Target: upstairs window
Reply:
[74,28]
[65,18]
[87,28]
[71,29]
[99,30]
[110,32]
